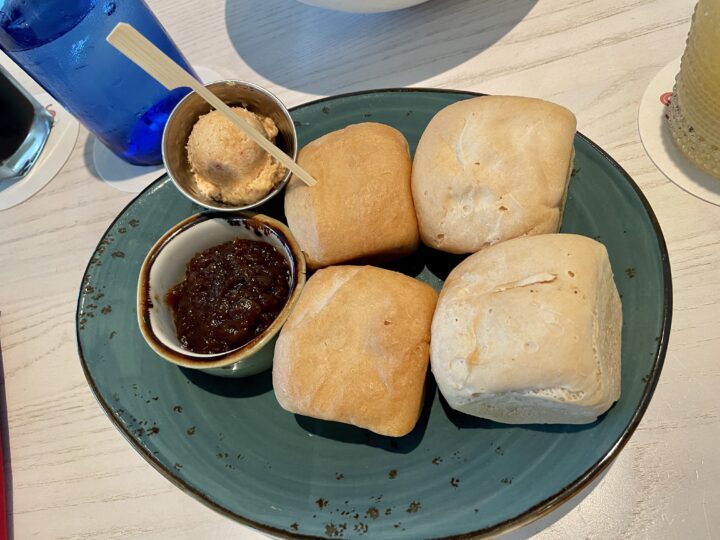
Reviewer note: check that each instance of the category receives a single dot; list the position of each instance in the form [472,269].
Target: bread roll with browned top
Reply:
[361,206]
[492,168]
[528,331]
[355,349]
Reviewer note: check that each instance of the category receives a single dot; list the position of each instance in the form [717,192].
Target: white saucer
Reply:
[658,143]
[57,150]
[133,178]
[118,173]
[363,6]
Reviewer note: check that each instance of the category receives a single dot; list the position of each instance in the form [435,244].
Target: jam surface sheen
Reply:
[231,293]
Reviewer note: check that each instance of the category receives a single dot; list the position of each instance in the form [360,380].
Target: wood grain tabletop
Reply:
[72,475]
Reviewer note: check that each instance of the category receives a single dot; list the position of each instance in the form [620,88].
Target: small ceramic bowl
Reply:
[183,117]
[363,6]
[164,267]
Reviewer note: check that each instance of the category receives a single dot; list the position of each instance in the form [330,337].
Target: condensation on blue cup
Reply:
[61,44]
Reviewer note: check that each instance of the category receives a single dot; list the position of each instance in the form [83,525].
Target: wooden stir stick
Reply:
[159,66]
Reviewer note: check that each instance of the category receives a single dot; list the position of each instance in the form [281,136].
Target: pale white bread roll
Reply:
[528,332]
[492,168]
[361,206]
[355,349]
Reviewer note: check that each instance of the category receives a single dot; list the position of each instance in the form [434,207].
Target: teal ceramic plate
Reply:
[228,443]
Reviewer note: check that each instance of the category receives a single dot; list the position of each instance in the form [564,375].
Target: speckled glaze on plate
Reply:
[228,443]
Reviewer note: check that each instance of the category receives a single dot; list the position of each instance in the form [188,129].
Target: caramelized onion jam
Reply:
[231,294]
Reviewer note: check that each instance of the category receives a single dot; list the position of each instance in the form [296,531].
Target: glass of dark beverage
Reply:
[24,128]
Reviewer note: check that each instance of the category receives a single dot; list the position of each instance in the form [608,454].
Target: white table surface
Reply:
[74,476]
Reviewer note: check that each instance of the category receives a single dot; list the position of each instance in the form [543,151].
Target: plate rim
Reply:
[533,513]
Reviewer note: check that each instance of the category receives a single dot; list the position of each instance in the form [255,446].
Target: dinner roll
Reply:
[355,349]
[361,206]
[528,332]
[492,168]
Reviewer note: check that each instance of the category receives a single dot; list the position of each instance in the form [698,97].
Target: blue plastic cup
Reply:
[61,44]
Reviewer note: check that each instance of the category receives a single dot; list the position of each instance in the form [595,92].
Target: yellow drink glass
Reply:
[694,111]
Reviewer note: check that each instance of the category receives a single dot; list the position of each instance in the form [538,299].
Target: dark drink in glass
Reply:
[24,128]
